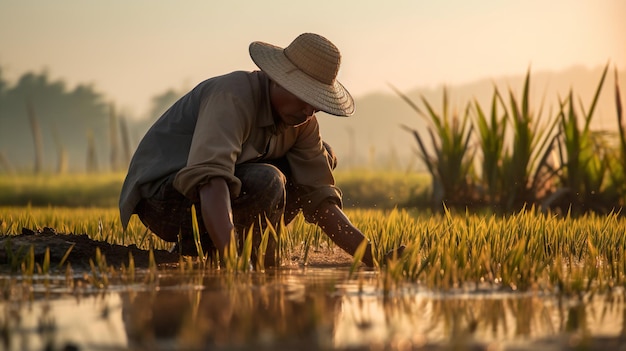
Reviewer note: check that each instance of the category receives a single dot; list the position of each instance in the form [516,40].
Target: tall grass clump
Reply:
[447,157]
[558,162]
[524,163]
[618,164]
[584,158]
[491,135]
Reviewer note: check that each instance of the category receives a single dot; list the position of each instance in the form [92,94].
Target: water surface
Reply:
[299,309]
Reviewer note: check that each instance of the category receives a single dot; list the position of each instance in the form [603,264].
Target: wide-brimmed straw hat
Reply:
[308,69]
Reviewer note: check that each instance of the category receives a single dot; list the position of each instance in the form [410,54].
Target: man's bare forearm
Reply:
[217,212]
[341,231]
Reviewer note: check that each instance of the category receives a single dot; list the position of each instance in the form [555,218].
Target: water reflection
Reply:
[234,311]
[305,310]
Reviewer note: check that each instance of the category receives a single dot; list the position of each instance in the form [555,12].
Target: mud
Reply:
[82,249]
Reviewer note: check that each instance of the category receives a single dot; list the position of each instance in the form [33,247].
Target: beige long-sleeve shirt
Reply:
[223,122]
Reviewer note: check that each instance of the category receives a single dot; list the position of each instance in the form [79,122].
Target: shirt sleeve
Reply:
[224,122]
[310,168]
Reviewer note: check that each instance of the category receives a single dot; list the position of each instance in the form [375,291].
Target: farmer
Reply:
[245,149]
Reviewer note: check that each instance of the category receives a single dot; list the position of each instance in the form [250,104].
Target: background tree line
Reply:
[47,127]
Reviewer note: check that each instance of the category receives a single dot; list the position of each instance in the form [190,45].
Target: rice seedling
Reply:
[450,163]
[618,167]
[524,164]
[268,246]
[98,223]
[519,252]
[574,258]
[196,233]
[527,159]
[583,159]
[99,271]
[491,133]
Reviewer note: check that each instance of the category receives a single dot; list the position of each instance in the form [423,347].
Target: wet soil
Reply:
[82,249]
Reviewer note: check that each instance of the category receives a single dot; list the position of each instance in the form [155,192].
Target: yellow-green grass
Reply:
[99,223]
[524,251]
[367,188]
[73,190]
[361,188]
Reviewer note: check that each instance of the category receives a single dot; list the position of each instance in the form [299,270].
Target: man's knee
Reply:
[262,193]
[262,199]
[259,178]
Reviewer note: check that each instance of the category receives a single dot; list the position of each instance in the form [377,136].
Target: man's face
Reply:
[290,109]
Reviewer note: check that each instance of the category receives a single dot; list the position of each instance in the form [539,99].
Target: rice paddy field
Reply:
[514,235]
[522,281]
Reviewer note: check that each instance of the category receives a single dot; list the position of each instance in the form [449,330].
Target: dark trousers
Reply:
[267,194]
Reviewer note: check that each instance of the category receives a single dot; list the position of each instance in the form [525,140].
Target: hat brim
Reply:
[331,98]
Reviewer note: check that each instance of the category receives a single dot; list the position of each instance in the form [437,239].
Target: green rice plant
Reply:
[269,244]
[358,256]
[523,251]
[99,276]
[129,273]
[491,133]
[243,261]
[65,256]
[14,257]
[583,159]
[525,171]
[299,238]
[28,264]
[237,255]
[45,266]
[450,161]
[98,223]
[618,167]
[196,232]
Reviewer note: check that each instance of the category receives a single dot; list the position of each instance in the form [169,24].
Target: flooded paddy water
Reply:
[292,308]
[163,303]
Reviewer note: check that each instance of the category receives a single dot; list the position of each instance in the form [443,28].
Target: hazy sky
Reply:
[131,50]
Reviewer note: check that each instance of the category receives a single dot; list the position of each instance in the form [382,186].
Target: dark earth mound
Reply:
[14,248]
[83,248]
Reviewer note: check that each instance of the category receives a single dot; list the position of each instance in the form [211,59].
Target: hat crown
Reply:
[315,56]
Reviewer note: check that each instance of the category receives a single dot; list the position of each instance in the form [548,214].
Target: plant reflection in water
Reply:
[304,309]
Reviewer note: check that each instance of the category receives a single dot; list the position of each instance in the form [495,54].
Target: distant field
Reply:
[70,190]
[361,188]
